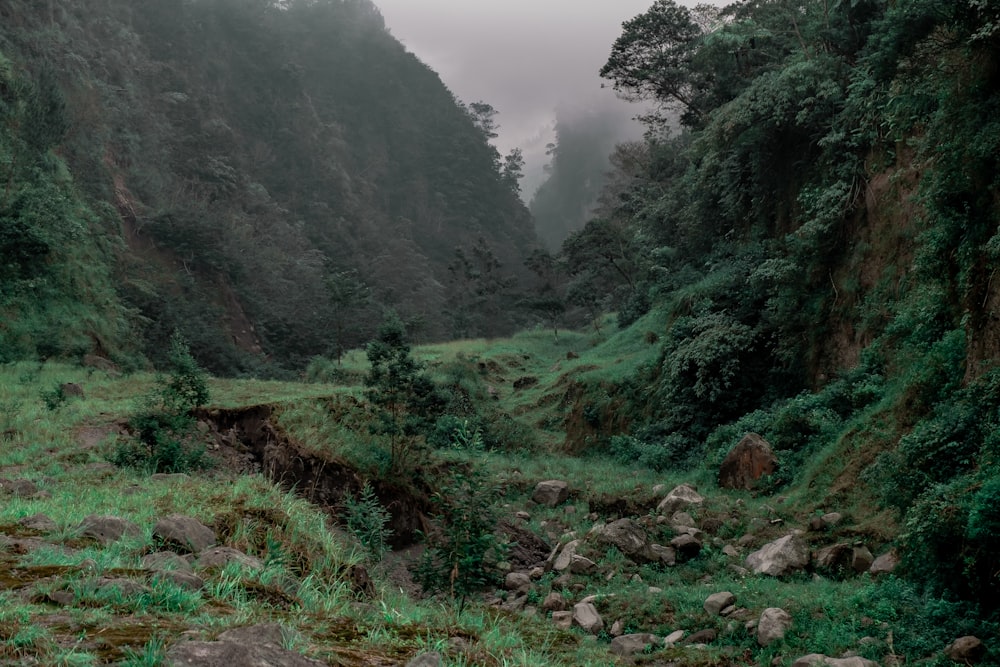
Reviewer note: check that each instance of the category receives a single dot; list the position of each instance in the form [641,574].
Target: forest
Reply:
[804,245]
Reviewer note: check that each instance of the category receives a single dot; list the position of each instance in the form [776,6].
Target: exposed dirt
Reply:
[248,440]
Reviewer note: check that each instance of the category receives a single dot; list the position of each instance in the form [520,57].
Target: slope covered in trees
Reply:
[265,177]
[821,234]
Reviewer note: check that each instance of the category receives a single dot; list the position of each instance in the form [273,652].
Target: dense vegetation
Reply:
[265,178]
[810,254]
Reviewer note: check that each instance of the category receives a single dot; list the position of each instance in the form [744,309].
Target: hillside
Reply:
[265,179]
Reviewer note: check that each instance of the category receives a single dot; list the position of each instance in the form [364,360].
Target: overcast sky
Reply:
[524,57]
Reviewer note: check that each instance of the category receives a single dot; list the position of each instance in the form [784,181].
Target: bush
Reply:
[368,521]
[163,425]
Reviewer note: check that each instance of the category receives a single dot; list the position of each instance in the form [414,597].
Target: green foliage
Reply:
[368,521]
[405,400]
[165,437]
[463,549]
[54,398]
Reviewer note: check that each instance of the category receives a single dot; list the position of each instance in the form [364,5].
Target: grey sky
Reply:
[525,57]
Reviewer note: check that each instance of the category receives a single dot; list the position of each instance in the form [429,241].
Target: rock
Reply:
[123,585]
[730,551]
[772,625]
[716,602]
[517,581]
[431,659]
[834,558]
[665,555]
[515,604]
[780,557]
[107,529]
[184,533]
[100,363]
[523,516]
[227,654]
[751,459]
[21,488]
[686,546]
[617,628]
[681,519]
[679,498]
[554,602]
[580,565]
[39,522]
[629,645]
[585,615]
[219,557]
[702,637]
[968,649]
[563,619]
[565,557]
[186,580]
[819,660]
[673,638]
[262,633]
[166,561]
[885,563]
[71,389]
[628,537]
[550,492]
[861,559]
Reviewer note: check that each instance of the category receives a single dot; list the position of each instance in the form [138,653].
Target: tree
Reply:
[651,59]
[405,400]
[347,293]
[513,170]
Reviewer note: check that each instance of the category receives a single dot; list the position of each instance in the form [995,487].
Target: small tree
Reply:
[406,401]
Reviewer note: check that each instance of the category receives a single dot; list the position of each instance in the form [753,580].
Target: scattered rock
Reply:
[523,516]
[186,580]
[968,649]
[617,628]
[716,602]
[780,557]
[184,533]
[107,529]
[730,551]
[550,492]
[122,584]
[681,519]
[71,389]
[585,615]
[227,653]
[772,625]
[629,645]
[861,559]
[581,565]
[665,555]
[826,521]
[751,459]
[679,498]
[20,488]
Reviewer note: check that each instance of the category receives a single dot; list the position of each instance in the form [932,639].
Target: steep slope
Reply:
[283,171]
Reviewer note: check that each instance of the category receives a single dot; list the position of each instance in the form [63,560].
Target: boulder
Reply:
[772,625]
[107,529]
[550,492]
[751,459]
[681,519]
[40,522]
[184,532]
[861,559]
[580,565]
[967,650]
[716,602]
[563,619]
[219,557]
[702,637]
[629,538]
[686,546]
[181,579]
[680,498]
[629,645]
[885,563]
[430,659]
[673,638]
[71,389]
[519,582]
[227,654]
[585,615]
[665,555]
[565,557]
[166,561]
[780,557]
[554,601]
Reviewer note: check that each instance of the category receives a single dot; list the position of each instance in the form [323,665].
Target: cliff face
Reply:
[281,172]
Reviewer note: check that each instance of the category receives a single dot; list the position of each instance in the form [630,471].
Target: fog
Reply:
[527,58]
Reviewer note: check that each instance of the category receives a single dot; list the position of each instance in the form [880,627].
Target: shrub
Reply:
[368,521]
[163,425]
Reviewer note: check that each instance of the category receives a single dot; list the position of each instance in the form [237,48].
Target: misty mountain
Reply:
[265,177]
